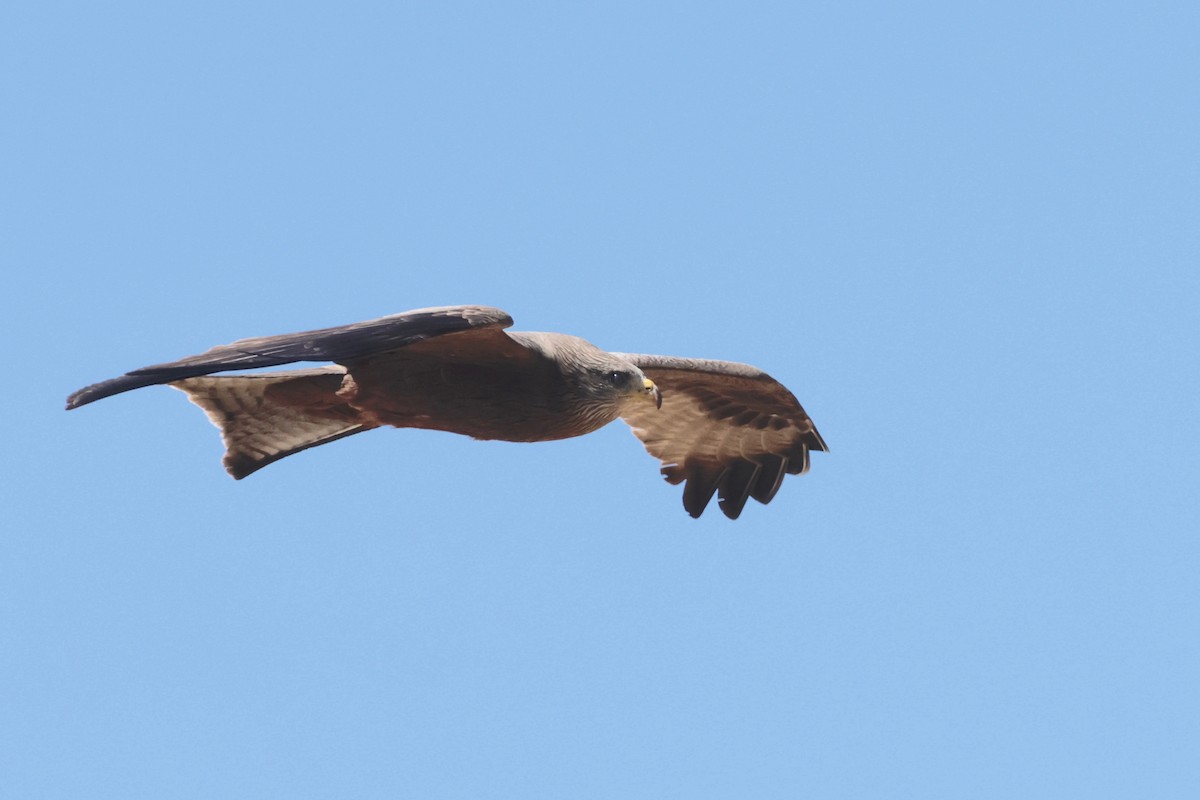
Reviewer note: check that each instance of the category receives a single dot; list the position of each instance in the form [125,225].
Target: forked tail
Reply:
[264,418]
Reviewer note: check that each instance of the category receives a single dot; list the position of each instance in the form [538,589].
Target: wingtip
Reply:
[817,441]
[78,398]
[728,510]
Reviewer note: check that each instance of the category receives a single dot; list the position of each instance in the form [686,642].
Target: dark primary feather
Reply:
[736,486]
[724,428]
[338,344]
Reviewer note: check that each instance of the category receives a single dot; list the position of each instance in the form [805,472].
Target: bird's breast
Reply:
[481,401]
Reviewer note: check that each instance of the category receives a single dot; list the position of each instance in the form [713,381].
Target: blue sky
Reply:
[965,235]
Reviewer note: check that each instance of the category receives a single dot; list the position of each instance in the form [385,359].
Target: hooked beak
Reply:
[652,392]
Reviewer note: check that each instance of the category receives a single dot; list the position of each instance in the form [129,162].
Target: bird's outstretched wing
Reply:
[342,344]
[723,427]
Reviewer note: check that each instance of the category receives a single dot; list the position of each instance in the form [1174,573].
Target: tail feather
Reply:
[258,430]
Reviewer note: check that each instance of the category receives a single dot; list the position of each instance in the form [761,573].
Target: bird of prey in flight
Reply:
[716,426]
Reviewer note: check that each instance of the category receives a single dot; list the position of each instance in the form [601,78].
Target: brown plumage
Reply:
[718,427]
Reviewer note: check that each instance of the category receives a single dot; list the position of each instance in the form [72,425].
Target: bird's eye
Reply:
[616,378]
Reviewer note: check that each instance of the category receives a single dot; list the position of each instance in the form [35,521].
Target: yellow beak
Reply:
[653,393]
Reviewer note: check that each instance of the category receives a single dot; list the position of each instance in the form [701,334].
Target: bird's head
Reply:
[606,383]
[621,383]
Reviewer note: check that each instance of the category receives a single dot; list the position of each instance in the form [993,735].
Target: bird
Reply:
[718,427]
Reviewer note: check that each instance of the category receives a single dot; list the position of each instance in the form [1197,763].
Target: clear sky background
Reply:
[964,234]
